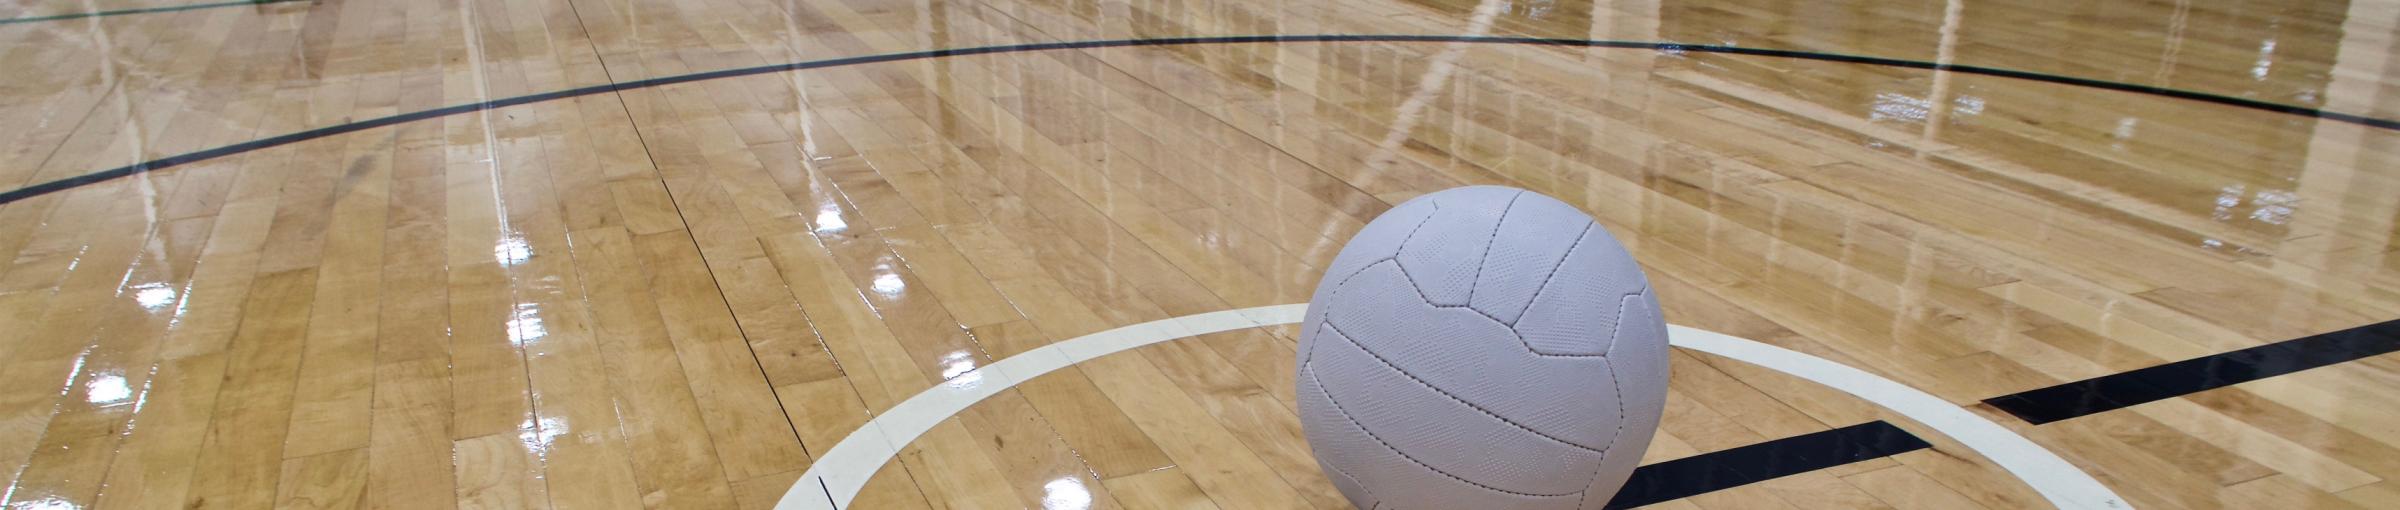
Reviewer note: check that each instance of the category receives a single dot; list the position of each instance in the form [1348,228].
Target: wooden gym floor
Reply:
[459,253]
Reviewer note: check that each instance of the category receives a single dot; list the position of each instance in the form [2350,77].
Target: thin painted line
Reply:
[1735,467]
[208,154]
[2127,389]
[845,468]
[144,10]
[828,494]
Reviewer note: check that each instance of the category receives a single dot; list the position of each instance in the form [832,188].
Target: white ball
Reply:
[1482,348]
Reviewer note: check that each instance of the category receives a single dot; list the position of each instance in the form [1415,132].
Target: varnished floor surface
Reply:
[676,293]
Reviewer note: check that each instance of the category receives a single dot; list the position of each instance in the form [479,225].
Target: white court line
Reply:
[2062,483]
[842,471]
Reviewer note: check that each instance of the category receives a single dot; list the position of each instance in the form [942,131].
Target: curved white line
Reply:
[842,471]
[2062,483]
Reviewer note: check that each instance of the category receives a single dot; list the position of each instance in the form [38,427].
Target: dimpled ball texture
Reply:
[1482,348]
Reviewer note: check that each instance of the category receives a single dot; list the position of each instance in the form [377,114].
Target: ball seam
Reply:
[1394,259]
[1362,428]
[1512,330]
[1486,258]
[1588,227]
[1616,386]
[1471,405]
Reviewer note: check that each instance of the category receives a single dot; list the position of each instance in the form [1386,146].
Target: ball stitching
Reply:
[1345,414]
[1486,258]
[1471,405]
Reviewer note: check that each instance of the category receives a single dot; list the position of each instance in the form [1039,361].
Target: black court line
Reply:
[1714,471]
[144,10]
[2117,391]
[208,154]
[1726,469]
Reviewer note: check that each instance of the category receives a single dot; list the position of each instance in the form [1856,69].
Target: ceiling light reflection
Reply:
[889,284]
[830,221]
[512,251]
[1066,494]
[153,296]
[958,370]
[107,390]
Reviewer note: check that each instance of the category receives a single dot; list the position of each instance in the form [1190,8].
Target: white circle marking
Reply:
[843,470]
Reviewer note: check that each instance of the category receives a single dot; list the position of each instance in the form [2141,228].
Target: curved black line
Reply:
[143,10]
[204,155]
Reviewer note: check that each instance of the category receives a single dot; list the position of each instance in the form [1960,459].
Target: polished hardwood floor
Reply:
[677,296]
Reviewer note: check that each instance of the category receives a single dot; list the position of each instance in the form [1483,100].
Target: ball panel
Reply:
[1445,254]
[1639,361]
[1524,252]
[1576,313]
[1471,357]
[1384,475]
[1379,240]
[1350,486]
[1444,433]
